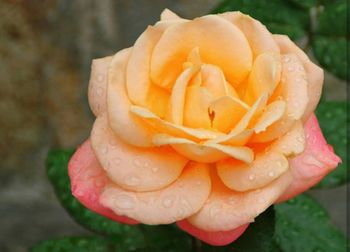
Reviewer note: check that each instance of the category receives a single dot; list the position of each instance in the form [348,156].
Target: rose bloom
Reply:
[203,122]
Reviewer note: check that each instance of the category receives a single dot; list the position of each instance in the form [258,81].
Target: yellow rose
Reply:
[197,123]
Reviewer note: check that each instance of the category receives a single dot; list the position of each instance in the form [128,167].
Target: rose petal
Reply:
[138,80]
[317,160]
[88,180]
[259,38]
[242,125]
[314,73]
[168,205]
[292,143]
[205,152]
[294,92]
[98,85]
[226,209]
[163,126]
[134,168]
[240,176]
[125,125]
[264,77]
[274,111]
[220,238]
[219,42]
[168,15]
[227,111]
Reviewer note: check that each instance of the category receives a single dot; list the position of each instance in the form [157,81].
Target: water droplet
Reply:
[100,77]
[137,163]
[290,69]
[300,68]
[117,161]
[214,211]
[99,183]
[298,79]
[181,184]
[155,169]
[167,202]
[79,193]
[279,164]
[124,201]
[198,183]
[232,200]
[146,164]
[311,160]
[93,197]
[132,181]
[104,150]
[99,91]
[300,139]
[180,213]
[286,59]
[261,200]
[251,177]
[113,143]
[271,174]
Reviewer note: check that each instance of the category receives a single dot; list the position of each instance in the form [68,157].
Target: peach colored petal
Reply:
[219,238]
[134,168]
[88,180]
[168,205]
[317,160]
[168,15]
[314,73]
[264,77]
[163,126]
[242,125]
[226,209]
[98,85]
[292,143]
[178,95]
[259,38]
[214,80]
[263,170]
[158,100]
[294,91]
[205,152]
[125,125]
[219,42]
[294,86]
[196,108]
[138,81]
[227,111]
[274,111]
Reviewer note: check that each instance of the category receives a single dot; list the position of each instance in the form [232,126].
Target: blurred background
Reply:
[46,48]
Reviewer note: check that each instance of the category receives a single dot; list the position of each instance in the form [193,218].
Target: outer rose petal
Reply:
[127,126]
[317,160]
[220,238]
[314,73]
[134,168]
[226,209]
[180,200]
[88,180]
[98,85]
[259,38]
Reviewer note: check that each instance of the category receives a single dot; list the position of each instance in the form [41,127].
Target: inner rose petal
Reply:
[165,206]
[220,43]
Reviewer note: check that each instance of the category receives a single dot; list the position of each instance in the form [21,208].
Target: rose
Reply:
[203,122]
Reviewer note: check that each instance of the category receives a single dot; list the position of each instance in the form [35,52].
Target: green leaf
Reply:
[57,162]
[281,17]
[333,121]
[305,3]
[76,244]
[329,43]
[303,225]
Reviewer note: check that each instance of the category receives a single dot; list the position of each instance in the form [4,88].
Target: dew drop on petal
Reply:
[124,201]
[132,181]
[167,202]
[251,177]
